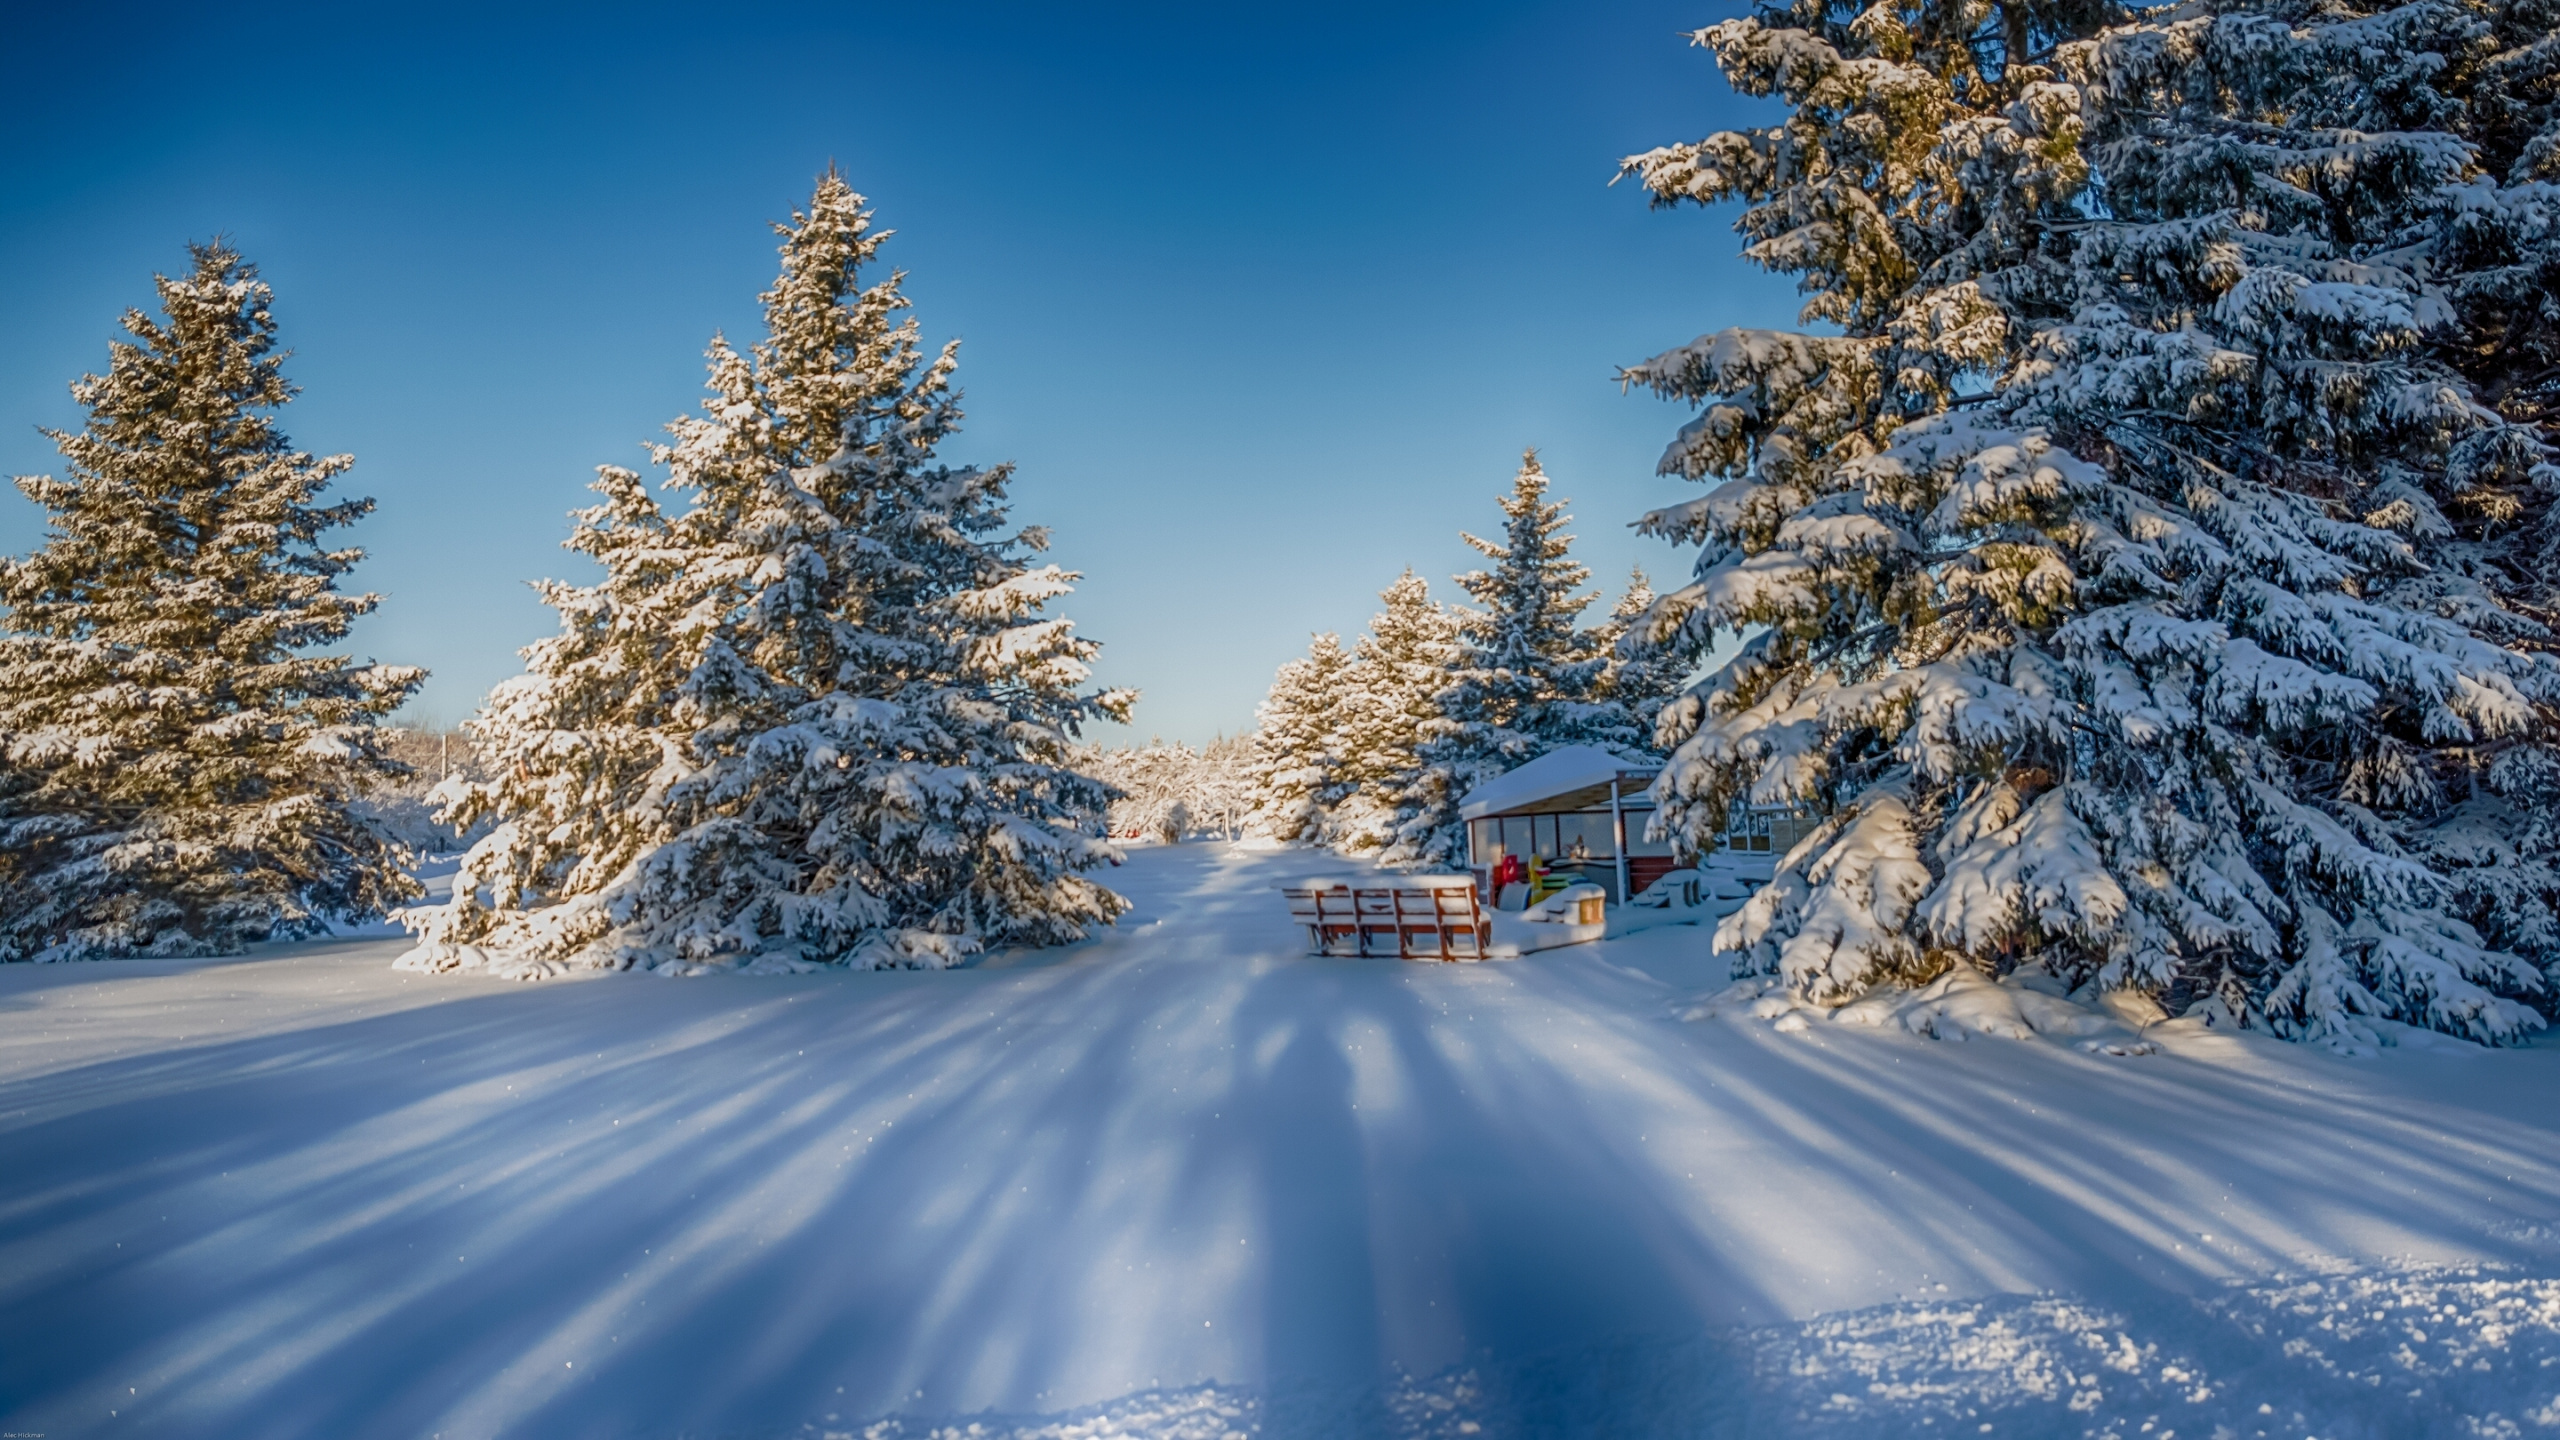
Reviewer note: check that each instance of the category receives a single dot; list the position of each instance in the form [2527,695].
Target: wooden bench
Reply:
[1419,917]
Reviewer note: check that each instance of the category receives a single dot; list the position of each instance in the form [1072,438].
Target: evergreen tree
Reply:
[2489,74]
[2091,576]
[1399,669]
[579,753]
[182,770]
[1528,679]
[1295,774]
[818,717]
[2498,88]
[1642,678]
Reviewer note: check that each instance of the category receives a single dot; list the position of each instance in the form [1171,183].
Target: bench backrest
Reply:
[1435,917]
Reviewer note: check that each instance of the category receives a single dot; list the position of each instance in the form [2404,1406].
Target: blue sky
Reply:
[1264,302]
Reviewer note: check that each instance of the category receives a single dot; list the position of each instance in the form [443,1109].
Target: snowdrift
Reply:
[1958,1005]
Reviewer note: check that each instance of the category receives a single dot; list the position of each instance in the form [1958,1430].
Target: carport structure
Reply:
[1579,808]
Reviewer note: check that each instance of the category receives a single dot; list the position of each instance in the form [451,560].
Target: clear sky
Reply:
[1263,301]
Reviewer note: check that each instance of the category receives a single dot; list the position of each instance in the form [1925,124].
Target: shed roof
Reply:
[1576,777]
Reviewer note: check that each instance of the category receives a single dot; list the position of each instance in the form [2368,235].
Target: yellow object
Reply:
[1542,882]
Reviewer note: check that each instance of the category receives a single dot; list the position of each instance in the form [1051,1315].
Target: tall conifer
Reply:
[2093,576]
[1295,774]
[1641,678]
[181,766]
[1398,670]
[817,717]
[1528,678]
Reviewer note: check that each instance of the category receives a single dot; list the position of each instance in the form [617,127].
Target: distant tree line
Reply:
[1169,793]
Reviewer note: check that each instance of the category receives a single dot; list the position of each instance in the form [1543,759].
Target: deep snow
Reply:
[1185,1181]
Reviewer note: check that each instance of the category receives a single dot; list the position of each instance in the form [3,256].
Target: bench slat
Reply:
[1414,921]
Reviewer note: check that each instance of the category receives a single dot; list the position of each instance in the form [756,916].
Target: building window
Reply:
[1586,836]
[1529,834]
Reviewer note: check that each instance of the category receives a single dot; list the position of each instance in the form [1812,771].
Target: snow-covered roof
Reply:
[1552,776]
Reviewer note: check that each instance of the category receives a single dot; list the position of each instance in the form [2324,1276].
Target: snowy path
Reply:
[304,1195]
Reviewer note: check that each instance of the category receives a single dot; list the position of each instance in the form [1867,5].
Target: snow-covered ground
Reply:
[1185,1181]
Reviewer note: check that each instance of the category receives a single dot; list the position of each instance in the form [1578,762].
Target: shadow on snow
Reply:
[632,1207]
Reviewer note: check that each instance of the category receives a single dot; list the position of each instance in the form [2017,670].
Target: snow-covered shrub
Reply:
[2107,576]
[819,715]
[182,775]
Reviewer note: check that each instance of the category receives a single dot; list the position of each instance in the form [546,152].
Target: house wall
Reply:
[1769,831]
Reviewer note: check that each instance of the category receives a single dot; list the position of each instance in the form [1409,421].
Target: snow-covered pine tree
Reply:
[1641,677]
[182,771]
[2384,263]
[579,752]
[1295,772]
[2080,574]
[1528,678]
[2491,75]
[816,718]
[1399,669]
[2499,90]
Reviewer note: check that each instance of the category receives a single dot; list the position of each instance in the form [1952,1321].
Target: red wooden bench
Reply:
[1422,917]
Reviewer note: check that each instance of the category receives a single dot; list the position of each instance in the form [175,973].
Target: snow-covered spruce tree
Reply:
[816,718]
[183,773]
[1399,669]
[1295,773]
[1642,678]
[2499,90]
[2381,268]
[2087,576]
[2491,75]
[1528,679]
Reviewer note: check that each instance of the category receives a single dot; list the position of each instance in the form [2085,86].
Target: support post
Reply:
[1618,822]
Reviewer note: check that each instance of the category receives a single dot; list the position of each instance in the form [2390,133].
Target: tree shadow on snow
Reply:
[642,1207]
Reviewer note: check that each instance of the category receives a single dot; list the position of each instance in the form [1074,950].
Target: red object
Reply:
[1435,922]
[1643,870]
